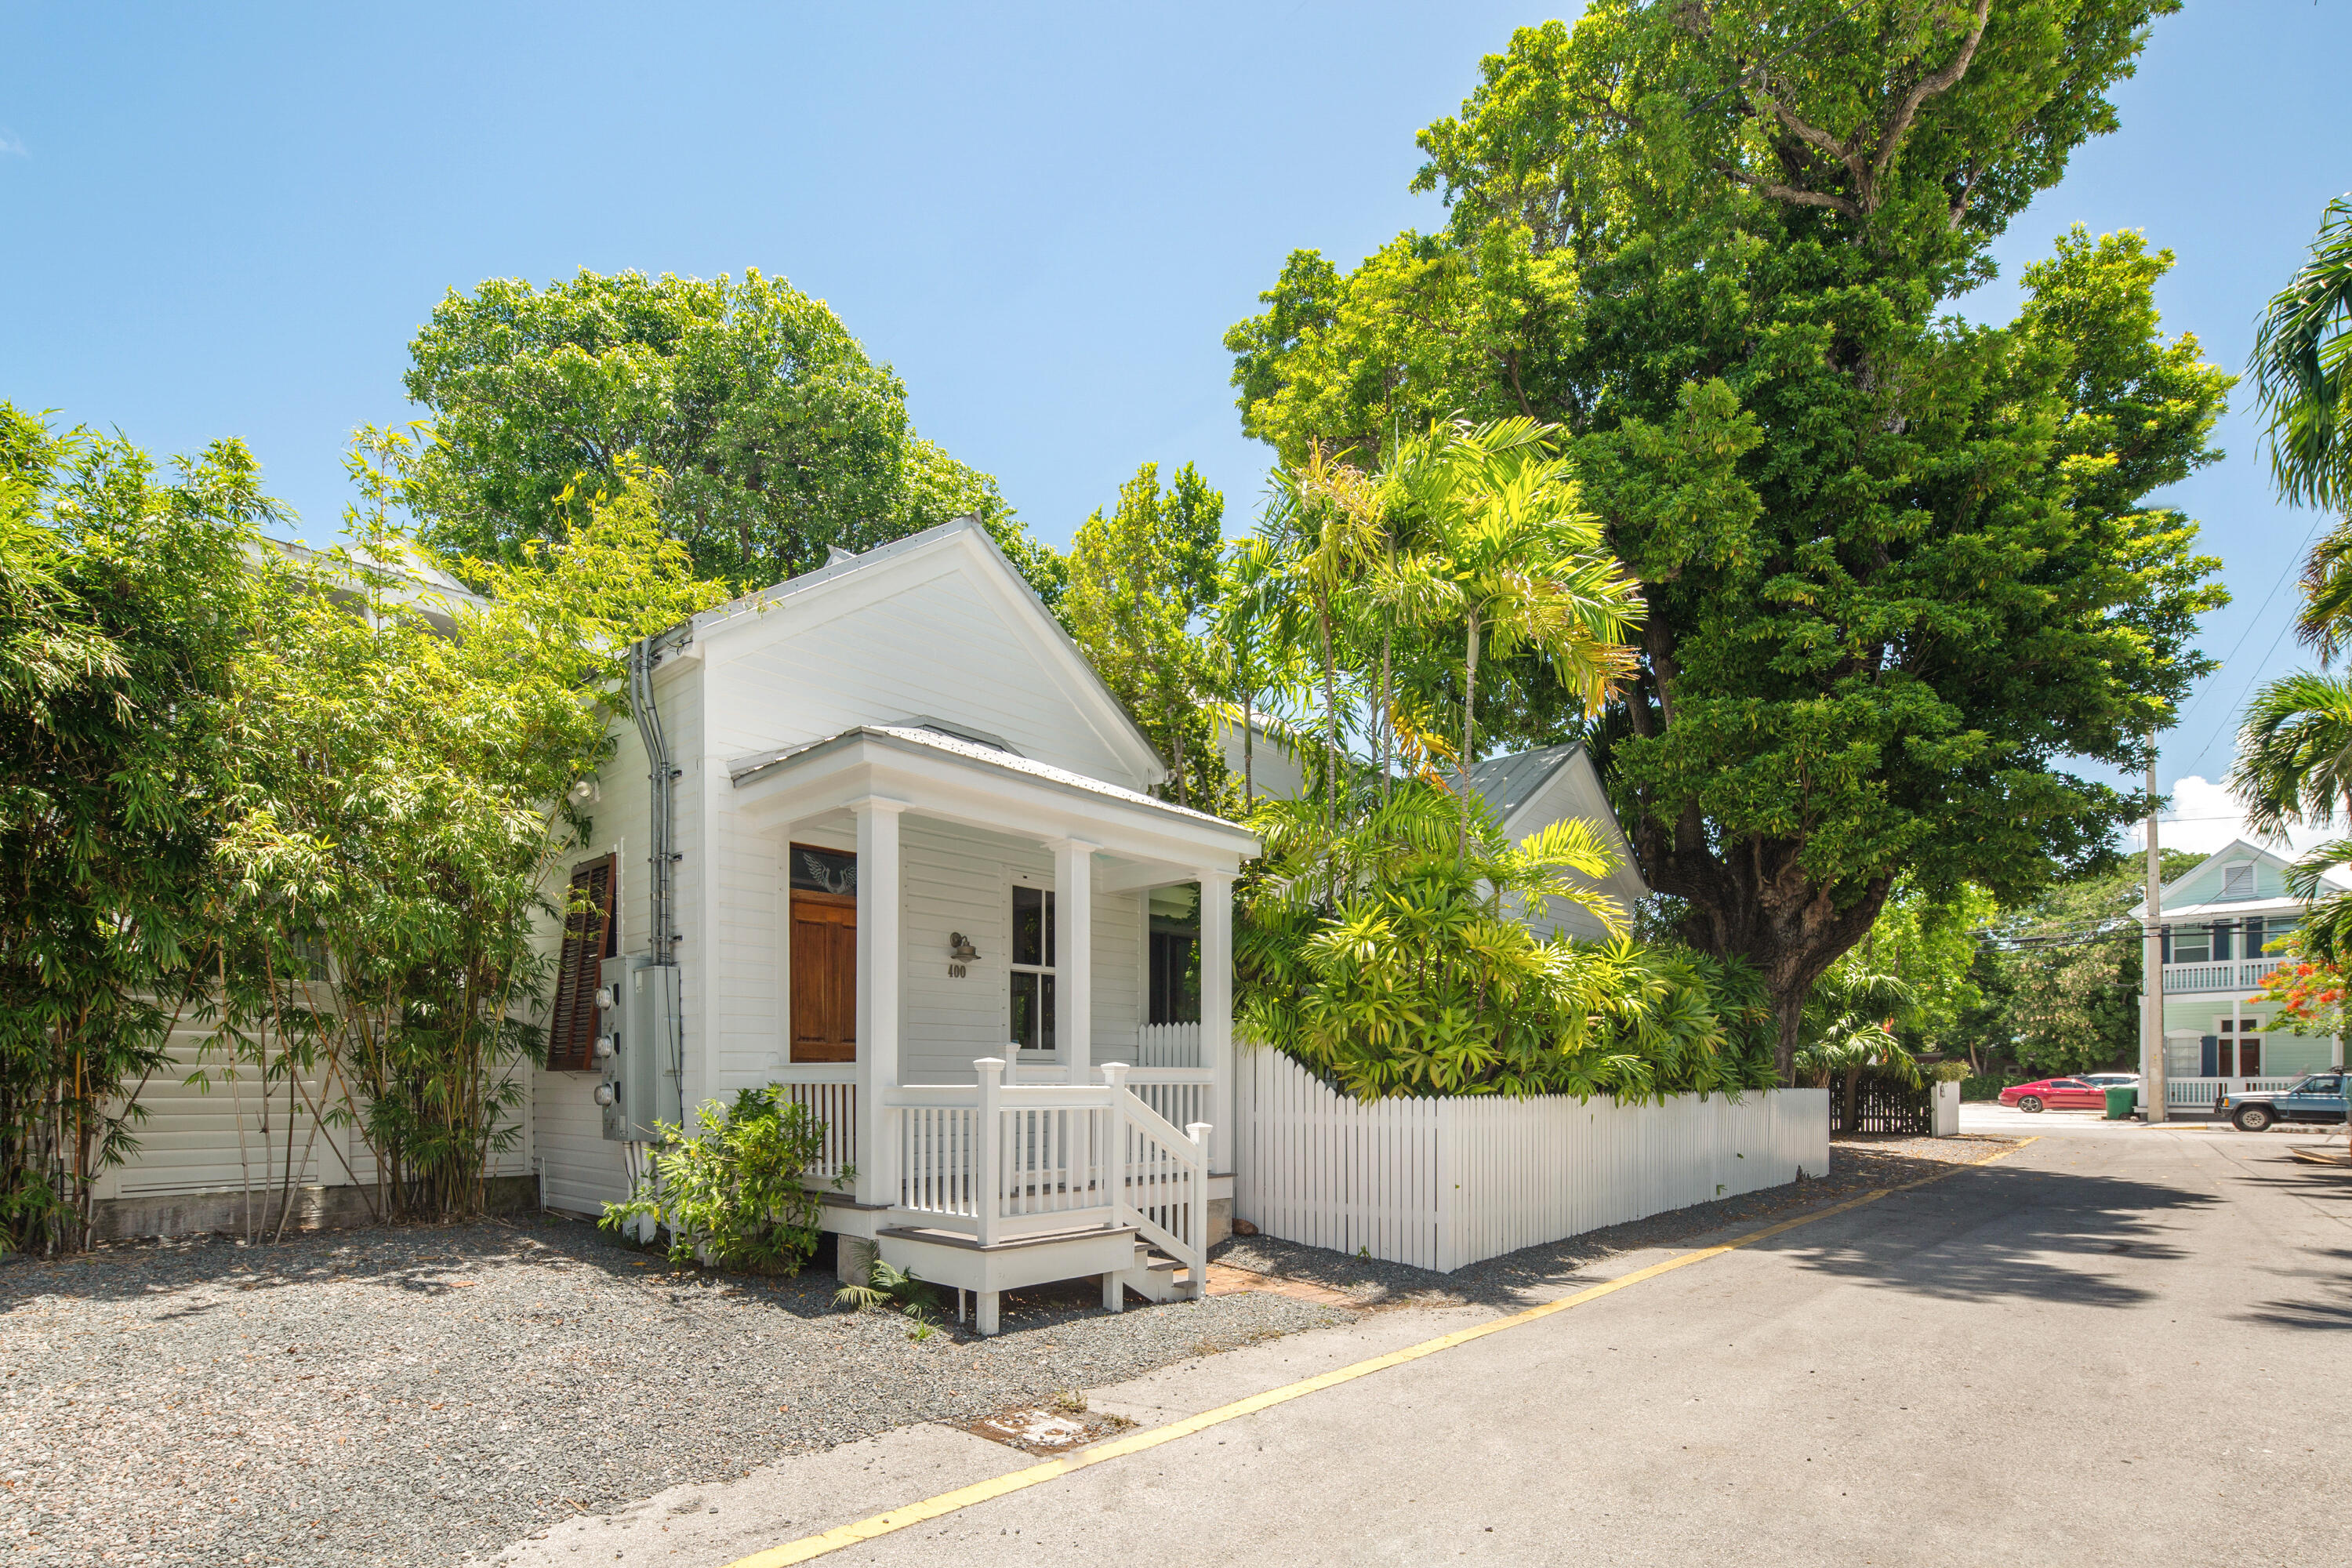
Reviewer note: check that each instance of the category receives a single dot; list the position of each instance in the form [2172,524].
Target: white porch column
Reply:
[1074,956]
[877,993]
[1217,1007]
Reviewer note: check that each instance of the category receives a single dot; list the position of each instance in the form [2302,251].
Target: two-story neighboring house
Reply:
[2218,916]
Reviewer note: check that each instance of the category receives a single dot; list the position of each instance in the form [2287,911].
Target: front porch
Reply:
[1006,1102]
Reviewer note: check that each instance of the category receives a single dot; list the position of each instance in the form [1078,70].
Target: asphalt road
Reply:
[2109,1348]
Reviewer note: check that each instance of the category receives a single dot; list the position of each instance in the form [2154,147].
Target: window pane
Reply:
[1033,926]
[1024,1033]
[1175,977]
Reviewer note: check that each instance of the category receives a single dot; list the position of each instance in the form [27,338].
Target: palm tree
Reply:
[1520,561]
[1254,660]
[1849,1027]
[2294,752]
[1324,531]
[2303,378]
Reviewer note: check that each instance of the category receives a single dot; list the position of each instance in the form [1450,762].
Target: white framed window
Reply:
[1032,1023]
[2192,944]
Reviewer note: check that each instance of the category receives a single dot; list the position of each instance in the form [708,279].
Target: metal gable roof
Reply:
[1507,784]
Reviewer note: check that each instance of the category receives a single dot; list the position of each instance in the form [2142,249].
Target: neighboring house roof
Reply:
[2238,851]
[965,534]
[1507,784]
[1529,790]
[745,770]
[422,587]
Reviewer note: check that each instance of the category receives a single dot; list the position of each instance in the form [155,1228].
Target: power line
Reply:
[2251,622]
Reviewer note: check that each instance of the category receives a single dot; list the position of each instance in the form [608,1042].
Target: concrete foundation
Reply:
[311,1208]
[1220,1219]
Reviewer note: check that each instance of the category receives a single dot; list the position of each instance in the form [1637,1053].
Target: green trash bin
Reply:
[2123,1101]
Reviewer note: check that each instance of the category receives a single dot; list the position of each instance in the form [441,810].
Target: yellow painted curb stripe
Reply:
[899,1518]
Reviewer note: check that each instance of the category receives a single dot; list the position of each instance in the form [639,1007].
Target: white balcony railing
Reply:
[2228,974]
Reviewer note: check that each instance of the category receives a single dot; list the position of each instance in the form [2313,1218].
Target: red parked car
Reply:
[2055,1094]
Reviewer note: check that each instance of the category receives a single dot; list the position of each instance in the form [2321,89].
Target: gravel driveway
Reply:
[413,1396]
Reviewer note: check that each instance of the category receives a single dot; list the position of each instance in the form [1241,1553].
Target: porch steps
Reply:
[1158,1277]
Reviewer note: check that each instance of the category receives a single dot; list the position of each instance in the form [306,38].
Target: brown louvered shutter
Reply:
[588,940]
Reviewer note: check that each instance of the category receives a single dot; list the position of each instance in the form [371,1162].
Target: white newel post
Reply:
[878,995]
[1217,1011]
[988,1148]
[1074,956]
[1197,1211]
[1114,1158]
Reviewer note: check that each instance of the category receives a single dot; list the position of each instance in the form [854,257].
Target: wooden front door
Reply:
[824,977]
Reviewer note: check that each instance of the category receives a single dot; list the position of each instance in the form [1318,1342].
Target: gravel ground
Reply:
[415,1395]
[1857,1165]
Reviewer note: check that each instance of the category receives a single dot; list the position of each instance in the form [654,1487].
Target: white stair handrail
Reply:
[1186,1149]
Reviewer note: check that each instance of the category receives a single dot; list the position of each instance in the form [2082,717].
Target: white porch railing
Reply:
[2197,1093]
[830,1093]
[2229,974]
[997,1161]
[1171,1078]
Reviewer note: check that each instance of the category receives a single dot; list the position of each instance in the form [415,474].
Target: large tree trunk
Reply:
[1751,898]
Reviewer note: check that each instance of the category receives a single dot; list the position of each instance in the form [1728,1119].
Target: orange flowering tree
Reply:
[2308,991]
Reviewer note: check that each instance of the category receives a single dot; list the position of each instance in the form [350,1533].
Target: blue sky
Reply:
[228,220]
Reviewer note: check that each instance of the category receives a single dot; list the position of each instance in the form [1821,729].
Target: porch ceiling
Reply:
[961,781]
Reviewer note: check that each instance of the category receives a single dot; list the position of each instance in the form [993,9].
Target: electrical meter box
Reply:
[637,1044]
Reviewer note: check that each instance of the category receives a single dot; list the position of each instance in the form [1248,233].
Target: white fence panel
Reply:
[1442,1183]
[1168,1046]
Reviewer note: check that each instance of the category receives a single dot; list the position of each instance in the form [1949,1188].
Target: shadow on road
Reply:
[2007,1232]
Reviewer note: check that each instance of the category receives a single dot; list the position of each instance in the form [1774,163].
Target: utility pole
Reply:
[2151,1049]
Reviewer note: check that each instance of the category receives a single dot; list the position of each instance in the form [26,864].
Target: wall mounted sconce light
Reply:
[960,952]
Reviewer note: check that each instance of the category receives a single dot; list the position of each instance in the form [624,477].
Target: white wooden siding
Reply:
[581,1171]
[189,1139]
[1574,793]
[938,646]
[1442,1183]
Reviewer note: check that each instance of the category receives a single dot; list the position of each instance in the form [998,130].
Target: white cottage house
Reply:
[2218,916]
[880,834]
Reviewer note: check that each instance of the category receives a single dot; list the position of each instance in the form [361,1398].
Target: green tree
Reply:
[2058,976]
[409,796]
[1137,581]
[1518,561]
[1899,570]
[777,438]
[124,604]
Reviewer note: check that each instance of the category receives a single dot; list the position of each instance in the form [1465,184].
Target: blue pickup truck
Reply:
[2318,1098]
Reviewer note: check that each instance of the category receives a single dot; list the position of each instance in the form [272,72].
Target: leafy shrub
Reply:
[916,1300]
[1947,1072]
[732,1195]
[1986,1086]
[1387,954]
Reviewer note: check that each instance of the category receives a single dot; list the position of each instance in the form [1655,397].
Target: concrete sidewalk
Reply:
[2092,1353]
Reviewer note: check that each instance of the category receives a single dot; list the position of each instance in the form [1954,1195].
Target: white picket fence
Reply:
[1442,1183]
